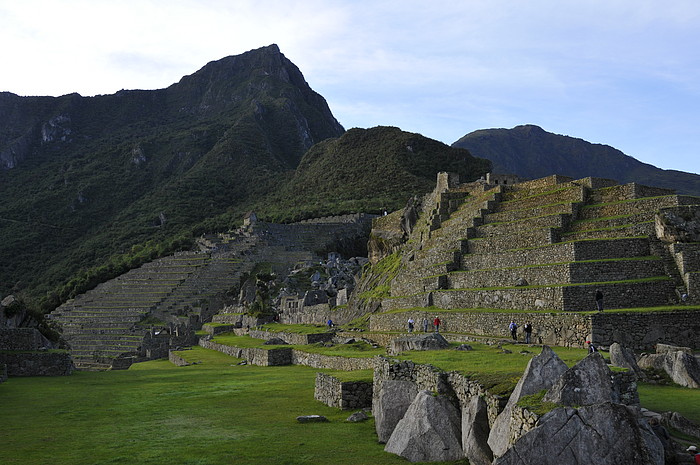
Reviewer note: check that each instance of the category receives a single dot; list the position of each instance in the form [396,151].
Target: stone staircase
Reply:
[546,244]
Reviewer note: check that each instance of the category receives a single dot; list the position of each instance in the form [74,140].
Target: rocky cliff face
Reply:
[121,169]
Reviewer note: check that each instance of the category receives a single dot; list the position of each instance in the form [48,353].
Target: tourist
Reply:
[528,332]
[436,324]
[599,299]
[591,347]
[329,323]
[694,452]
[410,325]
[425,324]
[513,330]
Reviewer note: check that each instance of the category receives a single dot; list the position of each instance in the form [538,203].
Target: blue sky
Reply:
[621,73]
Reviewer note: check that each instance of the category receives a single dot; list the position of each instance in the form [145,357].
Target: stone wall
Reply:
[342,394]
[643,330]
[177,360]
[426,377]
[255,356]
[300,357]
[37,363]
[558,329]
[22,339]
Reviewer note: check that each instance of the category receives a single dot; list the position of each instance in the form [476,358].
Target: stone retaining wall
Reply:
[22,339]
[290,338]
[254,355]
[37,363]
[176,360]
[345,395]
[427,377]
[557,329]
[332,362]
[643,330]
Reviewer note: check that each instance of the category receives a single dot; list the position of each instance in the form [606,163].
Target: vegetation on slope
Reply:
[532,152]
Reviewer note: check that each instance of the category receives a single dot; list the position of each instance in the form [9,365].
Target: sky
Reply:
[616,72]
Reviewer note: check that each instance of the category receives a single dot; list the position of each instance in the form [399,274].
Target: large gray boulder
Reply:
[682,367]
[601,434]
[588,382]
[425,341]
[429,431]
[475,432]
[389,405]
[624,358]
[542,371]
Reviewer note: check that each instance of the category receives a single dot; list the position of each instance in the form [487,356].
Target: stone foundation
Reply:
[37,363]
[345,395]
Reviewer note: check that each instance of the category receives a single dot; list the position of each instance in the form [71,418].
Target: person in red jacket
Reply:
[436,323]
[694,451]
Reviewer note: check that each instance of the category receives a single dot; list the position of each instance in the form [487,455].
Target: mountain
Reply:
[95,186]
[531,152]
[83,178]
[368,170]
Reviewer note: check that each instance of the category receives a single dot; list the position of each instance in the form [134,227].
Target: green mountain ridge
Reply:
[531,152]
[94,186]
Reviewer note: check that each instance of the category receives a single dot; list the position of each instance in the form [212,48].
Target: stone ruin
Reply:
[423,414]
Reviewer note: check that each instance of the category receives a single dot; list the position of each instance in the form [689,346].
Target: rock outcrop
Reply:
[541,373]
[682,367]
[475,432]
[588,382]
[605,433]
[429,431]
[390,404]
[624,358]
[429,341]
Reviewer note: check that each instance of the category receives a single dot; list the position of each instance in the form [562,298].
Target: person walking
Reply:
[599,299]
[436,324]
[425,324]
[513,330]
[410,325]
[528,332]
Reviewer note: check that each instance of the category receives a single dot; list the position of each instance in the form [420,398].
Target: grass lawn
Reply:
[671,399]
[211,413]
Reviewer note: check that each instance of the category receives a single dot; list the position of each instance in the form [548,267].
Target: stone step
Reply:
[560,273]
[545,298]
[525,239]
[557,195]
[561,252]
[514,228]
[632,230]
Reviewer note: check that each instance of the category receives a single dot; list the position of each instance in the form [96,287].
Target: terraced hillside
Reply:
[543,246]
[140,314]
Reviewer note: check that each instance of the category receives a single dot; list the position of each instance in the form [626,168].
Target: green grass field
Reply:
[217,412]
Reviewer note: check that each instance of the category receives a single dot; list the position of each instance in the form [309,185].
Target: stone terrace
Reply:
[113,321]
[546,244]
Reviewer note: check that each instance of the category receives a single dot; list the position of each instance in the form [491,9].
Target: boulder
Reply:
[312,419]
[275,341]
[357,416]
[429,341]
[624,358]
[678,224]
[601,434]
[588,382]
[542,372]
[682,367]
[429,431]
[390,404]
[666,348]
[475,432]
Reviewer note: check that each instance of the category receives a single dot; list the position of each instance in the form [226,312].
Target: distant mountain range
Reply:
[531,152]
